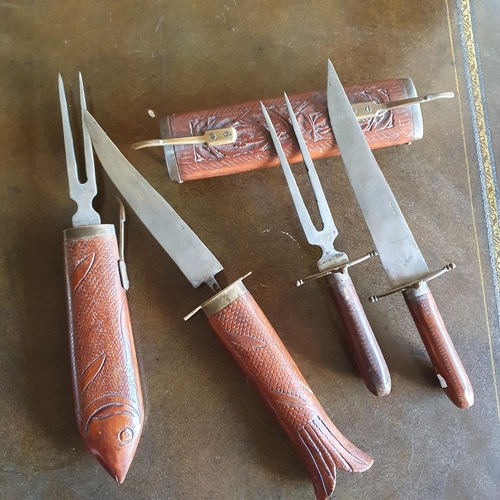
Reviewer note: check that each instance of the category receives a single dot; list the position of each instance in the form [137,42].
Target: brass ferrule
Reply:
[222,299]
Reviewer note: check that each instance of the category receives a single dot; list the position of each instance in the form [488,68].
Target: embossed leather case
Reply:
[252,147]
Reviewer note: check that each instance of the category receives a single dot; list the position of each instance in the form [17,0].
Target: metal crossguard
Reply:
[331,259]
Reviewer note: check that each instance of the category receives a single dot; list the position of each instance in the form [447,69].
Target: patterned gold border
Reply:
[486,162]
[481,129]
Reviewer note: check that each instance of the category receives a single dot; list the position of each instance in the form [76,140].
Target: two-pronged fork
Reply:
[108,398]
[333,265]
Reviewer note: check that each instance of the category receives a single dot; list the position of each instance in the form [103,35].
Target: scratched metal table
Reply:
[207,435]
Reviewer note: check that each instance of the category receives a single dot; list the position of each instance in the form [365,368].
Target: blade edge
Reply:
[189,253]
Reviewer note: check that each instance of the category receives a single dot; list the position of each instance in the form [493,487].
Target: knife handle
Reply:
[246,332]
[106,386]
[448,366]
[364,345]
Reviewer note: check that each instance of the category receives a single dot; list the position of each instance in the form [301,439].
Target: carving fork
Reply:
[334,265]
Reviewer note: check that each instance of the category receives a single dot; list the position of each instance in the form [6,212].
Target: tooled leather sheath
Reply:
[108,398]
[252,341]
[252,150]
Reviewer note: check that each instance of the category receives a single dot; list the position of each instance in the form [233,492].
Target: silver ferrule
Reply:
[416,112]
[89,231]
[170,159]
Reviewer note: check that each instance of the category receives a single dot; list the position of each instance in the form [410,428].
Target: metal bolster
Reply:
[222,299]
[342,269]
[170,159]
[89,231]
[416,112]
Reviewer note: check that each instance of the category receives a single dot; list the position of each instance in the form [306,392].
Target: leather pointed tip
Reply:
[380,391]
[116,464]
[118,473]
[112,437]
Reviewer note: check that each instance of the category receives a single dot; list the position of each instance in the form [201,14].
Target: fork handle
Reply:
[107,391]
[364,345]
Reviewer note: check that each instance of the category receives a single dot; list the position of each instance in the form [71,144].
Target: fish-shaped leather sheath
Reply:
[251,339]
[108,397]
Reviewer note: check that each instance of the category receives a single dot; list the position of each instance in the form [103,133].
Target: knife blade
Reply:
[106,385]
[242,327]
[401,258]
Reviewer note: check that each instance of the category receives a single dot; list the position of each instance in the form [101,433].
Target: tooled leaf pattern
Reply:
[91,372]
[81,271]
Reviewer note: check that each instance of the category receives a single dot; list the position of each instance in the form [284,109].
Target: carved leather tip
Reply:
[112,437]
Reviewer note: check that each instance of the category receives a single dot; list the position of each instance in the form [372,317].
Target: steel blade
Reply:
[190,254]
[398,250]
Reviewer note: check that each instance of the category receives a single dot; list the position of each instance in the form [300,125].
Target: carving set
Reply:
[107,390]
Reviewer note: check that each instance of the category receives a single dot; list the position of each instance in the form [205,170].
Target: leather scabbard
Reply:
[251,149]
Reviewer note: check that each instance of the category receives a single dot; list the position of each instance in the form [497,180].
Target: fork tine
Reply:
[310,231]
[87,141]
[324,210]
[81,193]
[68,142]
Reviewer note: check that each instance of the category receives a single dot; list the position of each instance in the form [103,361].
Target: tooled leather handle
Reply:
[364,345]
[444,357]
[246,332]
[106,386]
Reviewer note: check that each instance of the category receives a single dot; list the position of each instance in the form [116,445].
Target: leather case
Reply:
[252,148]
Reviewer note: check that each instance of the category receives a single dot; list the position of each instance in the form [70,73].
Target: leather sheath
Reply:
[106,384]
[252,149]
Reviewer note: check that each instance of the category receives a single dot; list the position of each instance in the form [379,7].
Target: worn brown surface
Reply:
[107,390]
[206,434]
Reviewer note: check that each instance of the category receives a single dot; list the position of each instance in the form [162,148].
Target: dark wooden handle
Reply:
[251,149]
[252,341]
[444,357]
[364,345]
[108,398]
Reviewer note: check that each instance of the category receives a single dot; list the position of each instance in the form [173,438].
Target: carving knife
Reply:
[106,386]
[398,251]
[241,325]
